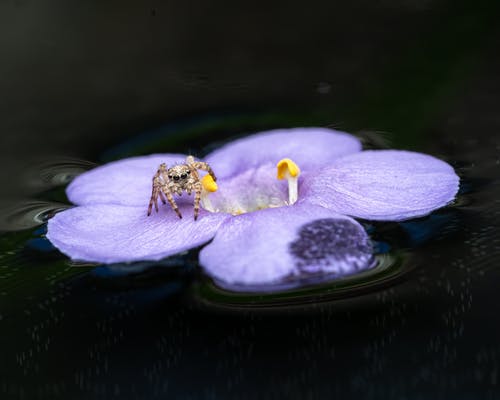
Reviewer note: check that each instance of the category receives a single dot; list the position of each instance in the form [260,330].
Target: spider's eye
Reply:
[188,172]
[184,176]
[176,178]
[170,177]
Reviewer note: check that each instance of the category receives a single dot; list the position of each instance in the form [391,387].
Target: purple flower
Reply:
[264,230]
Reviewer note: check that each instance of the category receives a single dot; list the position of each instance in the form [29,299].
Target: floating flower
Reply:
[261,229]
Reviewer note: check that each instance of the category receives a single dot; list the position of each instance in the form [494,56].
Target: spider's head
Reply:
[179,173]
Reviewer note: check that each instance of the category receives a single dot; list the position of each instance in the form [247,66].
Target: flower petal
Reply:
[125,182]
[383,185]
[109,234]
[287,243]
[252,190]
[308,147]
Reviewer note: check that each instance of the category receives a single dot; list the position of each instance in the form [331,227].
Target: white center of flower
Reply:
[253,190]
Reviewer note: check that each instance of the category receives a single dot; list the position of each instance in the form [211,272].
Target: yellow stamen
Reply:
[287,167]
[290,171]
[209,186]
[208,183]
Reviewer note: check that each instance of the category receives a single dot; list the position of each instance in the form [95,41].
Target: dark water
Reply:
[100,82]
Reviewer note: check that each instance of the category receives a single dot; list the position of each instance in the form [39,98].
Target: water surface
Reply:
[423,324]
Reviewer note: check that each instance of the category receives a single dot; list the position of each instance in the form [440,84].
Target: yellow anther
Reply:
[208,183]
[287,168]
[290,171]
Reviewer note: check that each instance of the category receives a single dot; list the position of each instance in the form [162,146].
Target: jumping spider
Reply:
[175,180]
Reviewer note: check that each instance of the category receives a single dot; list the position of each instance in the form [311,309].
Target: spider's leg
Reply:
[152,201]
[171,201]
[162,197]
[204,167]
[155,192]
[158,181]
[165,189]
[197,196]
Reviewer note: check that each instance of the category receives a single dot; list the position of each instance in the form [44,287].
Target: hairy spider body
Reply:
[176,180]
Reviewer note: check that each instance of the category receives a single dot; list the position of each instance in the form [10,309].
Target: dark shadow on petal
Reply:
[326,243]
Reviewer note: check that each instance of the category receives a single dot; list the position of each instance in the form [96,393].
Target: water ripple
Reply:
[388,269]
[25,214]
[58,171]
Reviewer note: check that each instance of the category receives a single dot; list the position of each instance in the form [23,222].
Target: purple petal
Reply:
[109,234]
[383,185]
[279,244]
[308,147]
[125,182]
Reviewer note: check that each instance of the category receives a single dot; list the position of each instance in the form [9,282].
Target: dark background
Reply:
[78,77]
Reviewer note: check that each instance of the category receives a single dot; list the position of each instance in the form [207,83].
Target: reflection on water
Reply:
[387,269]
